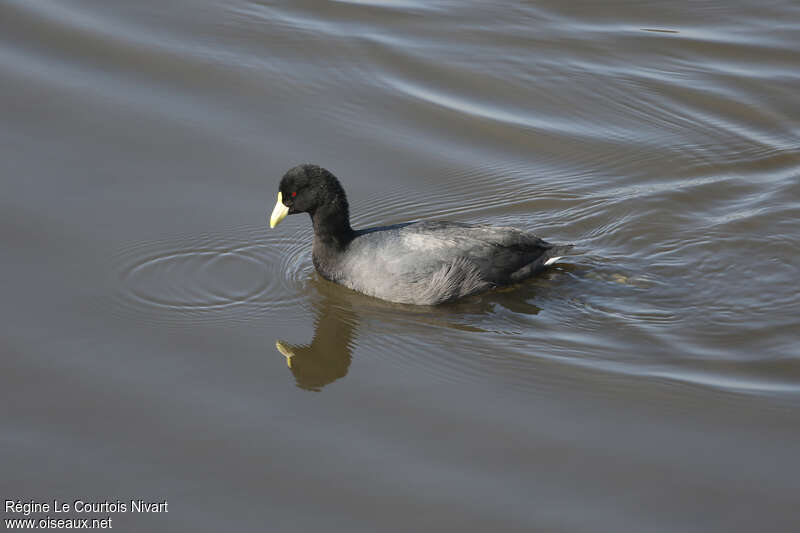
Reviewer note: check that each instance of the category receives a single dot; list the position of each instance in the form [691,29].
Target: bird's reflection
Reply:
[328,356]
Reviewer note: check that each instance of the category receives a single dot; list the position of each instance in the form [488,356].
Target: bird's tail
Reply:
[557,252]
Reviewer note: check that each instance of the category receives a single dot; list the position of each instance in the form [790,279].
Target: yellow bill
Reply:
[286,351]
[279,213]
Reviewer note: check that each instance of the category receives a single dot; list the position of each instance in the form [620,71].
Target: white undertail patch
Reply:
[552,260]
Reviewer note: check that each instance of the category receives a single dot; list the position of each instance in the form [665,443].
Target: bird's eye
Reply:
[294,193]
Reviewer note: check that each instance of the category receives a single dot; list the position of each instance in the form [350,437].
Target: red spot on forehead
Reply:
[294,193]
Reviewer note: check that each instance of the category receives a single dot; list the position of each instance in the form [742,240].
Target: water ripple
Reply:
[242,274]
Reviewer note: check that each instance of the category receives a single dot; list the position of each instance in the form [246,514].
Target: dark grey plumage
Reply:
[424,263]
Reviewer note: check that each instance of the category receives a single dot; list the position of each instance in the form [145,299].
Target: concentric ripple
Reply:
[198,278]
[233,276]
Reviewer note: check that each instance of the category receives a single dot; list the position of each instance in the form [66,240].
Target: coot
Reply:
[423,263]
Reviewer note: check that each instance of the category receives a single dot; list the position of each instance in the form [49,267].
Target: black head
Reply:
[312,189]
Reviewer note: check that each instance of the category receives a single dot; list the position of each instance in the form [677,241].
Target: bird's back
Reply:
[433,262]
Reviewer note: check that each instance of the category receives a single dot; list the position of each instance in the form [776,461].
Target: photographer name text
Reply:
[29,507]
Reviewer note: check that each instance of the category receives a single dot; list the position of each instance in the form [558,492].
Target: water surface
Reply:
[159,341]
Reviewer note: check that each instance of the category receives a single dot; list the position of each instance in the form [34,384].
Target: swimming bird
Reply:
[422,263]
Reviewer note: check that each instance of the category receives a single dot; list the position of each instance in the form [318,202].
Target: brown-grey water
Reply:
[650,382]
